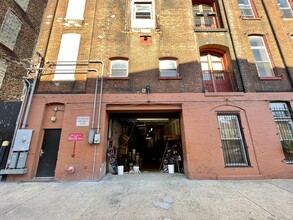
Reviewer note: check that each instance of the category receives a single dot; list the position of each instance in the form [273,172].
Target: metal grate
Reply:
[283,119]
[233,144]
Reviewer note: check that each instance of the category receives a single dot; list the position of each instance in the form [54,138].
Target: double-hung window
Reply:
[168,68]
[205,15]
[9,30]
[286,8]
[233,144]
[261,57]
[3,67]
[143,14]
[22,3]
[283,119]
[246,9]
[119,68]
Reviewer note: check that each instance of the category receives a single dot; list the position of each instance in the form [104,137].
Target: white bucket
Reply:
[120,170]
[171,168]
[136,169]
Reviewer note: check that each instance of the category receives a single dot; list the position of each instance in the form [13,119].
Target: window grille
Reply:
[283,119]
[233,144]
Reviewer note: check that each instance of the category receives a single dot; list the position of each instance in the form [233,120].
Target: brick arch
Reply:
[206,2]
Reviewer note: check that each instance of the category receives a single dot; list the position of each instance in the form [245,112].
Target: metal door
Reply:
[49,152]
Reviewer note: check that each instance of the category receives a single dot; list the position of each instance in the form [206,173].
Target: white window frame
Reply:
[3,68]
[23,4]
[112,69]
[164,69]
[67,57]
[143,23]
[263,47]
[75,10]
[246,7]
[286,10]
[10,29]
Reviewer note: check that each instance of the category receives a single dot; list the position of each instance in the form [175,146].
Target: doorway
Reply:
[49,153]
[151,141]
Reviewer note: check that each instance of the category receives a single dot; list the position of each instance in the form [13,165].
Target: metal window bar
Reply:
[233,145]
[283,119]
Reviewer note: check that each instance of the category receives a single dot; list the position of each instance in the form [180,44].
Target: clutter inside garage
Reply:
[144,142]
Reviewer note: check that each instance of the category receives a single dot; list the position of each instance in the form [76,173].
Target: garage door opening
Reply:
[151,141]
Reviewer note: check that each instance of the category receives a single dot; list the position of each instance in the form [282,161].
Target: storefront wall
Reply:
[203,155]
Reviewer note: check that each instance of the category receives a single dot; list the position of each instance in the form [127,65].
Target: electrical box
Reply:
[13,160]
[21,160]
[91,136]
[97,138]
[22,140]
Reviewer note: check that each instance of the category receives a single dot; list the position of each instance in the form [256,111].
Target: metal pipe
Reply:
[95,97]
[31,93]
[101,95]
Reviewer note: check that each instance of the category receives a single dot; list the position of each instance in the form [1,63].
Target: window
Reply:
[75,10]
[9,30]
[143,14]
[22,3]
[286,8]
[205,16]
[168,68]
[246,9]
[3,67]
[283,119]
[119,68]
[233,143]
[261,56]
[214,73]
[67,57]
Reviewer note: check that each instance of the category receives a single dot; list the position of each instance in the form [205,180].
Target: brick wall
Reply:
[12,87]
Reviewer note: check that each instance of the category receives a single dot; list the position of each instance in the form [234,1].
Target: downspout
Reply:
[233,47]
[277,42]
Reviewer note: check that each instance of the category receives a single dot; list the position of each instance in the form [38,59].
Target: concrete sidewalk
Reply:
[148,196]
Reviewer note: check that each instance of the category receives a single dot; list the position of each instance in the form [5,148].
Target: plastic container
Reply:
[171,168]
[136,169]
[120,170]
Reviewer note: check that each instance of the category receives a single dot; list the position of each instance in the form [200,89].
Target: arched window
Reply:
[205,14]
[215,75]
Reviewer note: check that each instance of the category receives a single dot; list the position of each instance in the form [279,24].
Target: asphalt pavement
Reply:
[148,196]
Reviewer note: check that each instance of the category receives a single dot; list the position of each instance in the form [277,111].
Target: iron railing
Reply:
[233,143]
[283,119]
[218,81]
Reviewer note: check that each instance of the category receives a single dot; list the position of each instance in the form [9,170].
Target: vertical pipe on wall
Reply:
[233,47]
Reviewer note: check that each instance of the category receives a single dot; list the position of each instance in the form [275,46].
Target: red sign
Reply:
[75,137]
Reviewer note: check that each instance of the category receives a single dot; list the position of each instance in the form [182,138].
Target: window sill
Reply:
[118,78]
[249,19]
[270,78]
[169,78]
[210,30]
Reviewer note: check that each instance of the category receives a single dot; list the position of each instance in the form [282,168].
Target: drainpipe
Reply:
[233,47]
[277,42]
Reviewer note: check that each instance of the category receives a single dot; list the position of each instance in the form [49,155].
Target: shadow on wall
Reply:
[190,79]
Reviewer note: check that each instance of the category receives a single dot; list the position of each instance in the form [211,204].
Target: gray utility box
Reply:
[22,140]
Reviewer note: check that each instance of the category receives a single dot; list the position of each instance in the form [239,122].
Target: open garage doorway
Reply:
[149,141]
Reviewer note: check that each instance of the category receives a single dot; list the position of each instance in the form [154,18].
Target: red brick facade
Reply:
[106,33]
